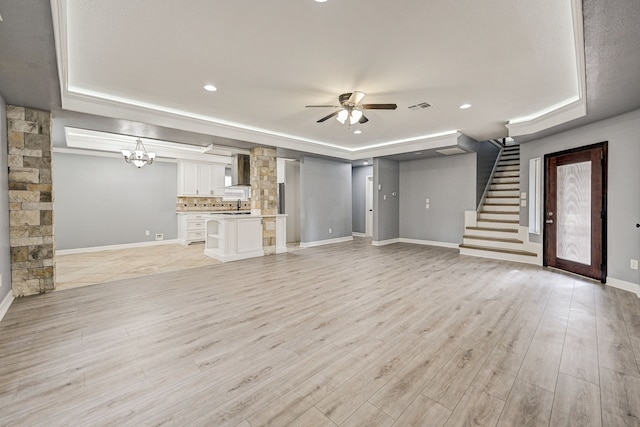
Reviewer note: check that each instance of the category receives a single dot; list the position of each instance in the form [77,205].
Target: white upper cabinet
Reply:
[200,179]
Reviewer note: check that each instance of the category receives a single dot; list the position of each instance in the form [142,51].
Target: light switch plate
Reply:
[523,203]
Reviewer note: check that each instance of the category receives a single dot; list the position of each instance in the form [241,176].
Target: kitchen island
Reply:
[238,235]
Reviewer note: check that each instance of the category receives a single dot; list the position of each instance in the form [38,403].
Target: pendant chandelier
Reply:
[139,157]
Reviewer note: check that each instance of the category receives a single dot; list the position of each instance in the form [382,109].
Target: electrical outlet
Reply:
[330,230]
[523,203]
[160,236]
[634,264]
[384,197]
[146,233]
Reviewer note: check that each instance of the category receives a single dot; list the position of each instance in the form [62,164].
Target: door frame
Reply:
[368,201]
[604,159]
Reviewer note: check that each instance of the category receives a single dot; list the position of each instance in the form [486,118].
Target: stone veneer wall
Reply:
[264,193]
[30,201]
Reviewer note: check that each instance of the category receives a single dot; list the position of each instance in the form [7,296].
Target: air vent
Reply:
[420,106]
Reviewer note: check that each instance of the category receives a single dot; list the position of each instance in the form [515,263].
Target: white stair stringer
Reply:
[494,231]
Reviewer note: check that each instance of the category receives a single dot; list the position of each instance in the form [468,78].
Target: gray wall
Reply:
[486,155]
[386,216]
[102,201]
[325,199]
[623,134]
[359,193]
[5,251]
[450,185]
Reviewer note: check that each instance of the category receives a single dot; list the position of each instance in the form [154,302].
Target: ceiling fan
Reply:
[350,109]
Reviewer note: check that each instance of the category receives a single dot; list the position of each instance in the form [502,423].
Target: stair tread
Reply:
[502,230]
[501,204]
[505,189]
[506,251]
[492,239]
[506,221]
[503,197]
[500,212]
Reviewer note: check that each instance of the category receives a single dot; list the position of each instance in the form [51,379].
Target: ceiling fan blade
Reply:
[363,120]
[335,113]
[356,97]
[323,106]
[379,106]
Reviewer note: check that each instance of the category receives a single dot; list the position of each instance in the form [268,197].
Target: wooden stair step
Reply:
[505,221]
[503,197]
[502,230]
[492,239]
[499,212]
[504,251]
[502,204]
[505,189]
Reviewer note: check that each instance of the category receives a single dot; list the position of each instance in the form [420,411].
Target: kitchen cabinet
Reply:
[191,227]
[200,179]
[232,237]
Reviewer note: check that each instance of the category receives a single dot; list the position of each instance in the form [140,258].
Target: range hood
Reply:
[240,170]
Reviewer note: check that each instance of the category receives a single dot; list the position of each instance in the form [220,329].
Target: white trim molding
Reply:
[326,242]
[356,234]
[5,304]
[625,286]
[430,243]
[385,242]
[112,247]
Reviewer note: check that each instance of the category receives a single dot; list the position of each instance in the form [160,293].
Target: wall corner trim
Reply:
[5,304]
[326,242]
[430,243]
[385,242]
[625,286]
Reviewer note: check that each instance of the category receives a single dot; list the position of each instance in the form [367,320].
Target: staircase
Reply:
[495,232]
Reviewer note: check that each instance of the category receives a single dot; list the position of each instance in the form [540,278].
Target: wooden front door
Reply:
[576,211]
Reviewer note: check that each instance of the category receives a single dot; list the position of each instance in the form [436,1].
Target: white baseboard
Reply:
[112,247]
[625,286]
[5,304]
[385,242]
[430,243]
[356,234]
[326,242]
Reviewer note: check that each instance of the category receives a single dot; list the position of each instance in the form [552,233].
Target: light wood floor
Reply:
[346,334]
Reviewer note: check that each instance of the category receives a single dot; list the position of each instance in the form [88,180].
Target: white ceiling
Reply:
[148,61]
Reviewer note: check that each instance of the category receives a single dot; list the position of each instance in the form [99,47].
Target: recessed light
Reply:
[357,131]
[366,162]
[465,106]
[320,1]
[210,88]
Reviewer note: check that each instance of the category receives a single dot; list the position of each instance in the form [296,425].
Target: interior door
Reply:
[576,211]
[369,207]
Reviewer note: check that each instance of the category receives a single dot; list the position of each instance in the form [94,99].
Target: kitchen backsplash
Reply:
[199,204]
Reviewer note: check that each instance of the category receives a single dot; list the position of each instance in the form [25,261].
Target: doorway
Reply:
[368,221]
[575,211]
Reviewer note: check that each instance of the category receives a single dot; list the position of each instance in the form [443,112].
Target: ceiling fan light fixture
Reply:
[355,116]
[342,116]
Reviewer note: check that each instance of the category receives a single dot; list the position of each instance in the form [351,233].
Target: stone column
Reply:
[30,201]
[264,193]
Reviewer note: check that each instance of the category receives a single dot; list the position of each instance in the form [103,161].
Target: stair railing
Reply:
[493,171]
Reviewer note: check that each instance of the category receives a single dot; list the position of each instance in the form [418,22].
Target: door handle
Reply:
[549,221]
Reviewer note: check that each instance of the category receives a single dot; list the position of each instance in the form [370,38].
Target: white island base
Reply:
[235,237]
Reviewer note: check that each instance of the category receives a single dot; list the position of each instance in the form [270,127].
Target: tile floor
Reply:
[76,270]
[90,268]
